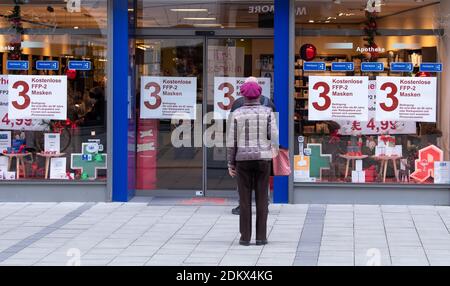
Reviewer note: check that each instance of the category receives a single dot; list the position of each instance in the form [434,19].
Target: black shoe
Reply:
[261,242]
[236,211]
[244,242]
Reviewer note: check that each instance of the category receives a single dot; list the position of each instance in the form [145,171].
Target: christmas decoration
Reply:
[71,74]
[354,146]
[84,176]
[423,74]
[424,165]
[15,20]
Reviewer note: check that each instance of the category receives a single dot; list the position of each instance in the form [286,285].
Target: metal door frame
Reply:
[205,35]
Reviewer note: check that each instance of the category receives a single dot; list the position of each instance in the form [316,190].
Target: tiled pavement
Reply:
[165,232]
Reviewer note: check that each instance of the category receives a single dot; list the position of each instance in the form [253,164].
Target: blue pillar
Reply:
[282,42]
[119,62]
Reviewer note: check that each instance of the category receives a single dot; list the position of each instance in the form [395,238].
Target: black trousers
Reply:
[253,175]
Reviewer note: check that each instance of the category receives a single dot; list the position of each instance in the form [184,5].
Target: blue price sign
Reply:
[80,65]
[372,67]
[431,67]
[342,67]
[17,65]
[402,67]
[314,66]
[47,65]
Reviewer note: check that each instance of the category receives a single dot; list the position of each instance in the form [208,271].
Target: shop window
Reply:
[53,91]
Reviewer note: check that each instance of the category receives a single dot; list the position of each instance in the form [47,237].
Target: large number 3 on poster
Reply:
[324,95]
[154,94]
[23,93]
[391,96]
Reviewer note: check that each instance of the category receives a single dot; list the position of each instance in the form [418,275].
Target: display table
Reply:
[19,161]
[384,160]
[47,160]
[351,159]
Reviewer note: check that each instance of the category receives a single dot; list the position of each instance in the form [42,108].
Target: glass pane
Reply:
[230,61]
[160,164]
[57,129]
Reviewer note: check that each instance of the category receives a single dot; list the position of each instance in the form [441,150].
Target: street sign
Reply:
[314,66]
[47,65]
[431,67]
[402,67]
[17,65]
[342,67]
[80,65]
[372,67]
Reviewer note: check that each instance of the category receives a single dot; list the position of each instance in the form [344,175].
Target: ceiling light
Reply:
[311,21]
[76,27]
[188,10]
[200,18]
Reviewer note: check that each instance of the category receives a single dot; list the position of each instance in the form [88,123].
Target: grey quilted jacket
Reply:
[252,133]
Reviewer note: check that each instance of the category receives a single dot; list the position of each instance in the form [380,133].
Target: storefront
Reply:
[106,100]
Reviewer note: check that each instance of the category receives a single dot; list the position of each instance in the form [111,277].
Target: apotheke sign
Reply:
[263,9]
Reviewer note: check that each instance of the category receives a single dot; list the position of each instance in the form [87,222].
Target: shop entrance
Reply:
[200,71]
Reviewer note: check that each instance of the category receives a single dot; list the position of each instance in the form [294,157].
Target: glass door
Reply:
[169,115]
[229,62]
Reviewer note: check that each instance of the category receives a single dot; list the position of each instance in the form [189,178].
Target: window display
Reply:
[367,106]
[52,91]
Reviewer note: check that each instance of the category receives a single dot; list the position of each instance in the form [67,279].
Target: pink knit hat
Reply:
[251,90]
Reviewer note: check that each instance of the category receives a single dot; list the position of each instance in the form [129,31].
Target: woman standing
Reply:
[252,142]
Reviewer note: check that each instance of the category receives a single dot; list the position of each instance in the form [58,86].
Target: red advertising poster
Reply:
[147,140]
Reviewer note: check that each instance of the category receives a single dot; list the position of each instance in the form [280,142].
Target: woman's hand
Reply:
[232,172]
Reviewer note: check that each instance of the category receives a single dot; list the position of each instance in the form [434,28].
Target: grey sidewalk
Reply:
[204,232]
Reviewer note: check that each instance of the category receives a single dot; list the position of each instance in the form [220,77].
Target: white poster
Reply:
[14,124]
[406,99]
[442,172]
[226,60]
[228,89]
[4,164]
[37,97]
[168,97]
[52,142]
[58,169]
[373,127]
[338,98]
[5,140]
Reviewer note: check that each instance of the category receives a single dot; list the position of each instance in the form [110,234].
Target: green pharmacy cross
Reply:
[318,161]
[89,161]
